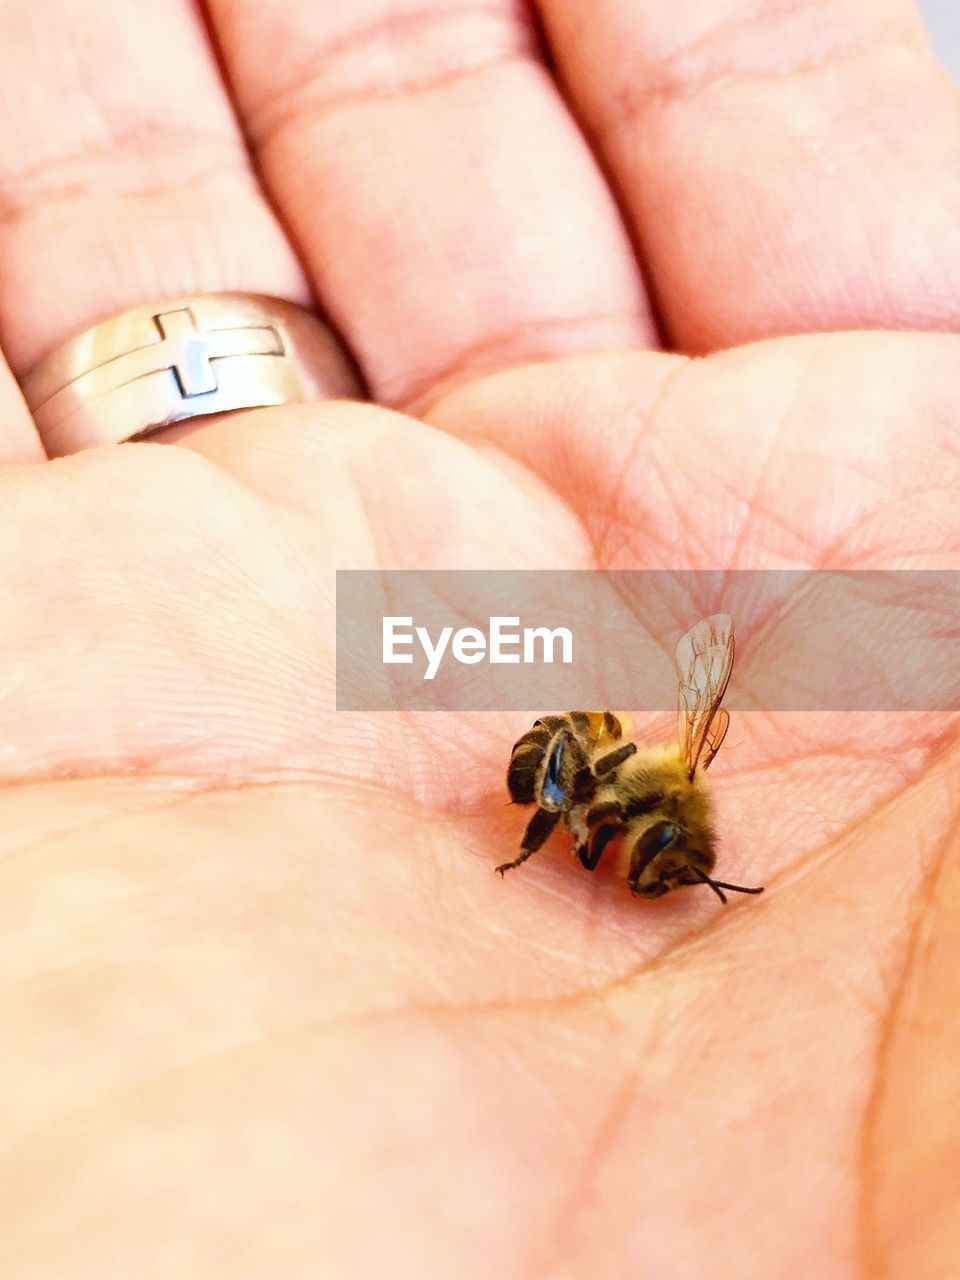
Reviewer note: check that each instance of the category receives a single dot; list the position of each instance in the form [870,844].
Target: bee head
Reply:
[645,878]
[664,857]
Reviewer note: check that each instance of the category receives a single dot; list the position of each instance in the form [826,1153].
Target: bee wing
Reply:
[714,737]
[704,663]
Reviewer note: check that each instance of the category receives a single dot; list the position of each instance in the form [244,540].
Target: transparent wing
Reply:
[704,663]
[714,737]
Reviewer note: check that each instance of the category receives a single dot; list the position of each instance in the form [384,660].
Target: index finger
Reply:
[785,167]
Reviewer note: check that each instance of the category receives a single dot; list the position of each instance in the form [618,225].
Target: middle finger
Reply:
[443,198]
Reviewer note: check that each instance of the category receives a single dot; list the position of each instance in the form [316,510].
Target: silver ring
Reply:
[184,358]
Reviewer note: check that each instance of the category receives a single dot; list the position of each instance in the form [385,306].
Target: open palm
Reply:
[268,1011]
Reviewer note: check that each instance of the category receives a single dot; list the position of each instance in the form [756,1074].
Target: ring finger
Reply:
[123,175]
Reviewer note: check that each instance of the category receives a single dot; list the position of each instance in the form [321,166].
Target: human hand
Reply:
[272,1012]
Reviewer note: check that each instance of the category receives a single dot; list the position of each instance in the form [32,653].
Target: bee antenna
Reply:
[718,886]
[712,883]
[738,888]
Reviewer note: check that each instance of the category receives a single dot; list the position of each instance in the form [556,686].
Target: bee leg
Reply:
[613,759]
[538,829]
[591,852]
[603,822]
[608,809]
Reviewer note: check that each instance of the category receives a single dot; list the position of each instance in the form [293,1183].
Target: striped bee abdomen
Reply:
[528,760]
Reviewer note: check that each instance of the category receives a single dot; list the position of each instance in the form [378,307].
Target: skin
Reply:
[267,1010]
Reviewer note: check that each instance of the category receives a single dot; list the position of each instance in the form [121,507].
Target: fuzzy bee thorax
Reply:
[660,774]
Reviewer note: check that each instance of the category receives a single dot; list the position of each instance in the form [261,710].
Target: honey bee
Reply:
[653,805]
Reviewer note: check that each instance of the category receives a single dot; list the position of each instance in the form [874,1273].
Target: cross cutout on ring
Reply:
[190,350]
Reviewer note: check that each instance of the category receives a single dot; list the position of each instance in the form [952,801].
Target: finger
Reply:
[449,212]
[123,176]
[784,167]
